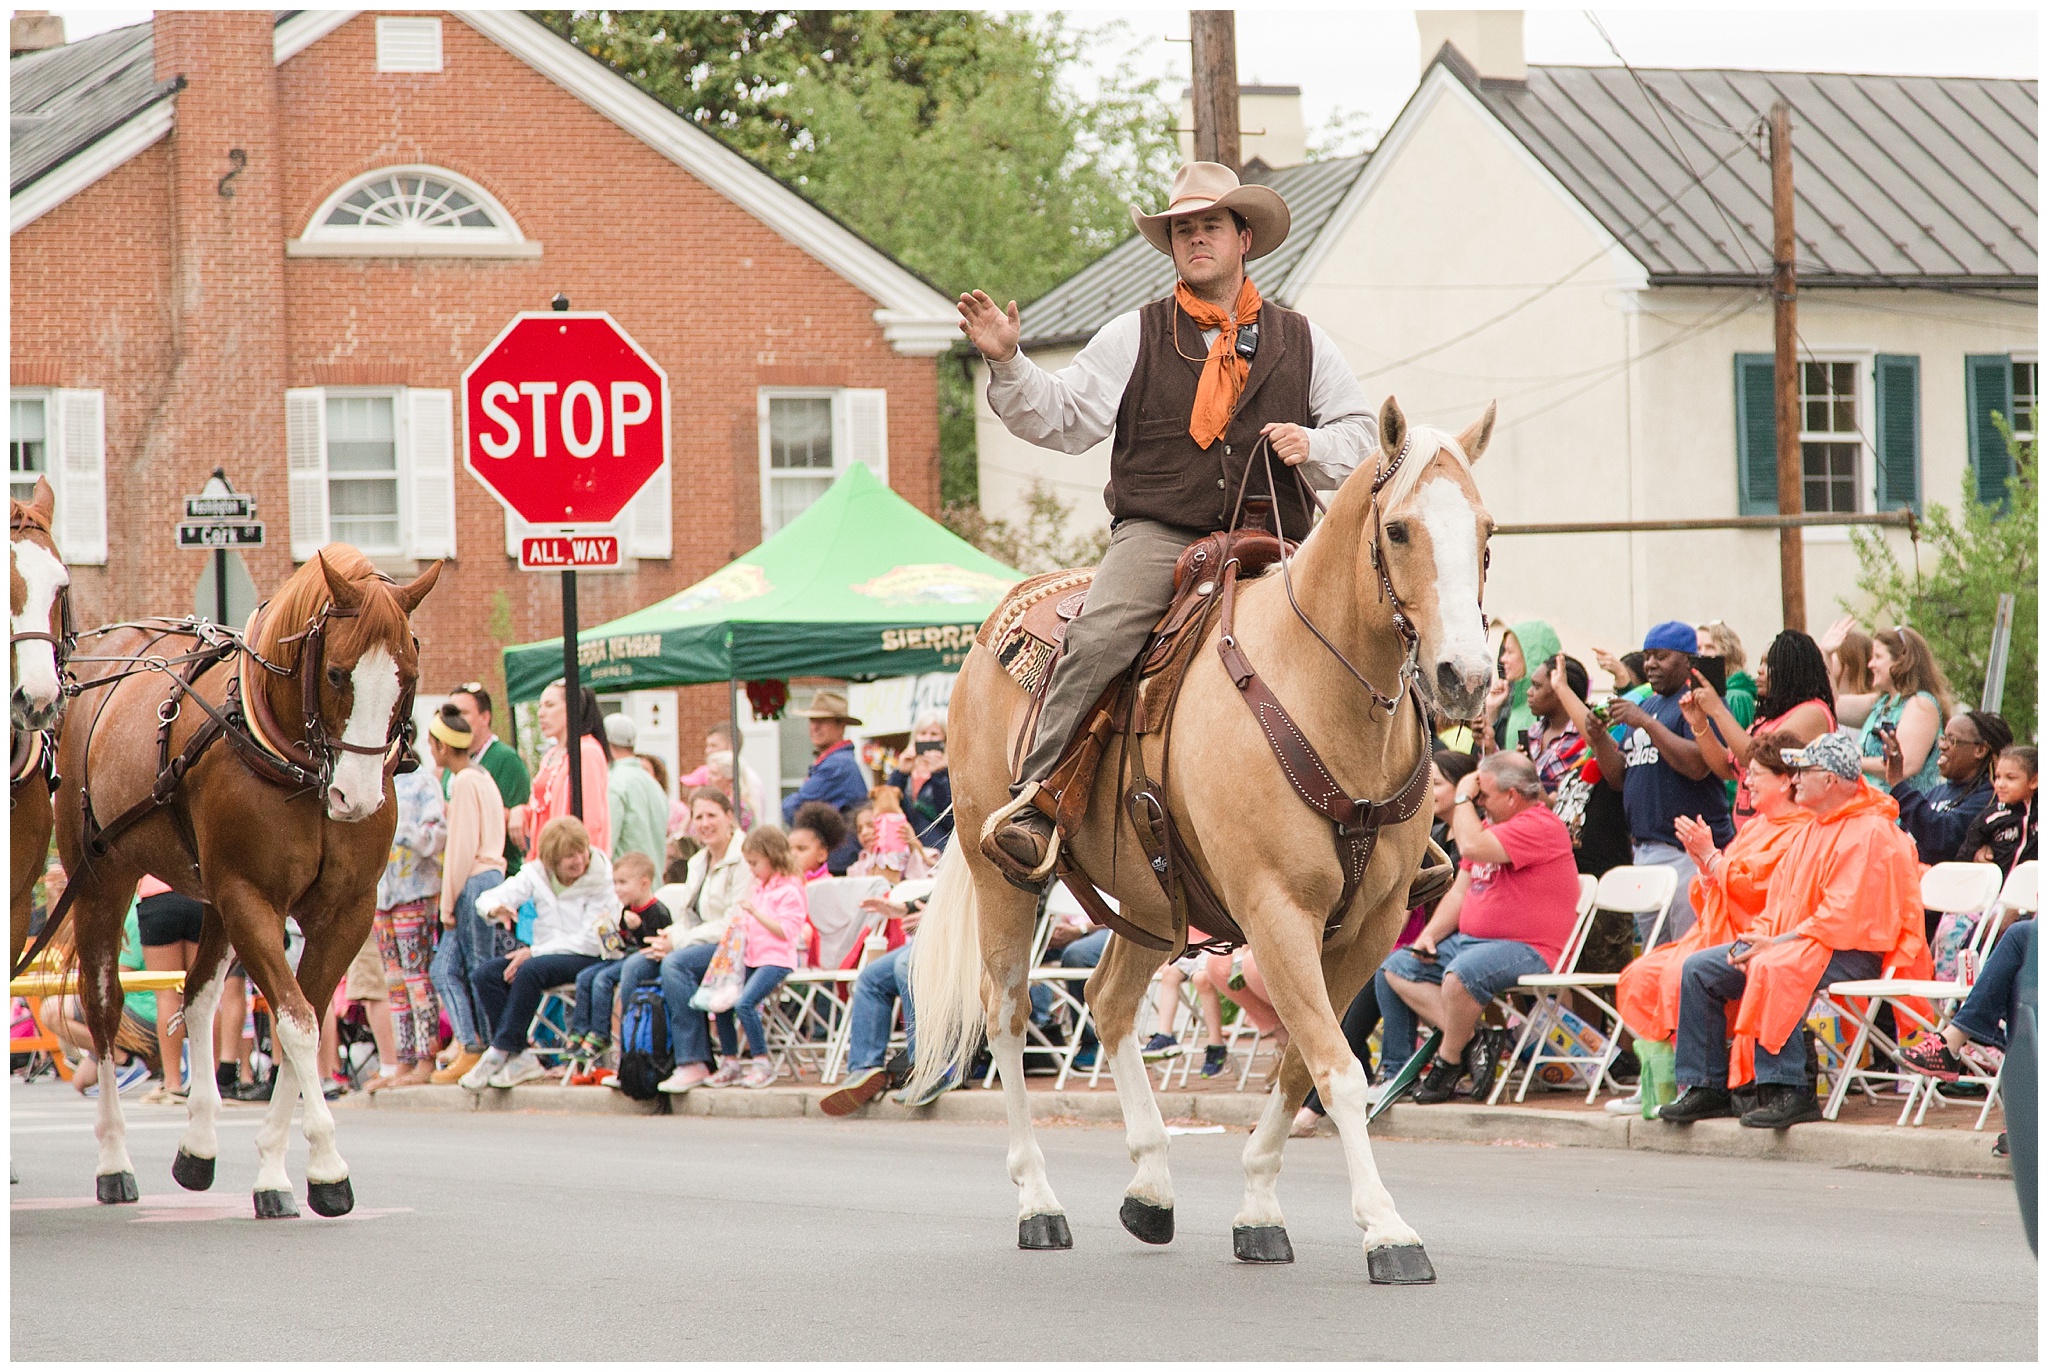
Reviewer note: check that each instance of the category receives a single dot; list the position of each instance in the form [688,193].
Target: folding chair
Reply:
[1626,890]
[1946,888]
[548,1034]
[807,1020]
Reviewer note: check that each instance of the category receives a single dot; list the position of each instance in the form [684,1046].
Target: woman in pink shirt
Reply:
[773,914]
[551,782]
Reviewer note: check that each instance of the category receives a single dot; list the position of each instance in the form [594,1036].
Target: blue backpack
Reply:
[645,1059]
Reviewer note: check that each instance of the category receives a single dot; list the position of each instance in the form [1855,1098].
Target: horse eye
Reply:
[1397,533]
[337,678]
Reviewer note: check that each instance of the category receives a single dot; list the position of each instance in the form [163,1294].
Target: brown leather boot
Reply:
[1025,837]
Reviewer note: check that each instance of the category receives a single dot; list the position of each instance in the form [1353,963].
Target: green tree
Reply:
[1981,552]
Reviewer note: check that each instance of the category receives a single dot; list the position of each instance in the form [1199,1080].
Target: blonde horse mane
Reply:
[1424,443]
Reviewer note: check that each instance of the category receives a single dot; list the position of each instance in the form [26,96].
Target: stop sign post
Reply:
[565,420]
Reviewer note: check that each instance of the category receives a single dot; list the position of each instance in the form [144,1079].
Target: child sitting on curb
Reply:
[641,916]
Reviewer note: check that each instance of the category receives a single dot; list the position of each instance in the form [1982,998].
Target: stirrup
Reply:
[1435,877]
[1033,879]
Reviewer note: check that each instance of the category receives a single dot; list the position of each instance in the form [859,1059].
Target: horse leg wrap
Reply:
[1044,1231]
[1146,1222]
[116,1188]
[1261,1243]
[194,1174]
[330,1199]
[276,1205]
[1400,1264]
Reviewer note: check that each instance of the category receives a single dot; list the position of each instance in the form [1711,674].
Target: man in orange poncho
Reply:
[1843,904]
[1728,893]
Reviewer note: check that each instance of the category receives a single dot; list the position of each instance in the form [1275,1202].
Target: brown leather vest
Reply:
[1156,470]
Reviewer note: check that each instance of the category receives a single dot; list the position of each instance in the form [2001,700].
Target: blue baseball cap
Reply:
[1673,634]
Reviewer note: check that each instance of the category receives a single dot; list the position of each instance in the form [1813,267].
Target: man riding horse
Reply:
[1189,385]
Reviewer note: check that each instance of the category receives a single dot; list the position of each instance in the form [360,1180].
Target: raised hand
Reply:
[991,329]
[1836,632]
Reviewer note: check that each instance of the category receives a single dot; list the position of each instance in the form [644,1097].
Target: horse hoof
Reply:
[1261,1243]
[1044,1231]
[276,1205]
[116,1188]
[194,1174]
[1147,1223]
[1401,1264]
[330,1199]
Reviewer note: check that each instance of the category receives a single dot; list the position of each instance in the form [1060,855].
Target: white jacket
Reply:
[706,894]
[565,923]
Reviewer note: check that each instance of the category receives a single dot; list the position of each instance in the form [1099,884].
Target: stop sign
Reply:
[565,417]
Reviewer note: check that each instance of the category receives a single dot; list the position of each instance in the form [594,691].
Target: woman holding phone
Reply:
[927,787]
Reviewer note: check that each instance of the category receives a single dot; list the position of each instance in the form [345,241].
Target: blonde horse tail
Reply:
[945,978]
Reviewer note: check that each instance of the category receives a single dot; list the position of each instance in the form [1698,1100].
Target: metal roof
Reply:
[1913,180]
[62,100]
[1134,272]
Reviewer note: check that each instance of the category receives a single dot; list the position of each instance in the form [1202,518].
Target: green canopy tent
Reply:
[861,585]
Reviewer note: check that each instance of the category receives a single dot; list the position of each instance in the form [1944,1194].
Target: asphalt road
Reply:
[501,1236]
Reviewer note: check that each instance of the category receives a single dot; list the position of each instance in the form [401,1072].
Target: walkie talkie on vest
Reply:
[1248,341]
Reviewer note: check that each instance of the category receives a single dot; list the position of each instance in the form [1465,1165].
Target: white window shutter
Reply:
[305,444]
[430,428]
[648,519]
[79,460]
[867,430]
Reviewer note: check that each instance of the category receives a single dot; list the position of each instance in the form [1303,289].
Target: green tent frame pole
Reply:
[732,701]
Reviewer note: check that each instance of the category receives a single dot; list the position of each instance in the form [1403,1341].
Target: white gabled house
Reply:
[1590,247]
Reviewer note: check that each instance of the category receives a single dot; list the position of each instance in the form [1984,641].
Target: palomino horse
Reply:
[36,647]
[287,813]
[1410,542]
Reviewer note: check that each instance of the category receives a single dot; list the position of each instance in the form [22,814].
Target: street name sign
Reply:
[220,535]
[220,507]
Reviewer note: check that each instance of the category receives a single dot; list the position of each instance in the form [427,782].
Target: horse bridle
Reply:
[65,640]
[315,757]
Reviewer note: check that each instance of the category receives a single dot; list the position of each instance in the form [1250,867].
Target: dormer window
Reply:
[412,212]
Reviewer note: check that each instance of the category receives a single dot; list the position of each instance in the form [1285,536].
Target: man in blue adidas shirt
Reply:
[1663,774]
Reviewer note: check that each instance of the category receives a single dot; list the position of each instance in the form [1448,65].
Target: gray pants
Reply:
[1130,593]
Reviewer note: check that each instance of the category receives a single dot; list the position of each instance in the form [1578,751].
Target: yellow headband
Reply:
[451,737]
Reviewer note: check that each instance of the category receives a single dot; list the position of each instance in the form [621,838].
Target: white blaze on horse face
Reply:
[1460,630]
[358,786]
[35,665]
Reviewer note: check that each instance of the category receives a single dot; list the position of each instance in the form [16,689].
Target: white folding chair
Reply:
[1625,890]
[811,999]
[1949,888]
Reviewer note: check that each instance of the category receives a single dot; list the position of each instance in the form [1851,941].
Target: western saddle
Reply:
[1026,634]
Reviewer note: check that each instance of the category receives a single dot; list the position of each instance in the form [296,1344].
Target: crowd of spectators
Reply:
[1796,808]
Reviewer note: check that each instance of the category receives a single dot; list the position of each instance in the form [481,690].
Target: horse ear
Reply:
[1393,426]
[412,594]
[344,594]
[45,502]
[1475,439]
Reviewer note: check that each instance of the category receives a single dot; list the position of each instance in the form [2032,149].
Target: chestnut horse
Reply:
[288,812]
[36,648]
[1409,539]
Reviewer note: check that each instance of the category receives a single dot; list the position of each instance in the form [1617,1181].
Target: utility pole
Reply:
[1785,373]
[1214,37]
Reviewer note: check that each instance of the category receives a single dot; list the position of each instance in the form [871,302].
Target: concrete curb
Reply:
[1949,1152]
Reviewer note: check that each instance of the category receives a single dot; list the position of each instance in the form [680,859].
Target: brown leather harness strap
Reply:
[1357,822]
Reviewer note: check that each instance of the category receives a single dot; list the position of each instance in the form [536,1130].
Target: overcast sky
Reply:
[1365,61]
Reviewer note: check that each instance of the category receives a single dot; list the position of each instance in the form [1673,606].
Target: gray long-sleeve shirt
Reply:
[1073,409]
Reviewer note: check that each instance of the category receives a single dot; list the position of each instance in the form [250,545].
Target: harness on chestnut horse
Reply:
[34,752]
[244,719]
[1212,567]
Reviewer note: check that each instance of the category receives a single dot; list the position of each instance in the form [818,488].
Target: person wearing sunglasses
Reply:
[1936,818]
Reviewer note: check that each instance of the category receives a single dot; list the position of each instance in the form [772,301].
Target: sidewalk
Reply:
[1864,1138]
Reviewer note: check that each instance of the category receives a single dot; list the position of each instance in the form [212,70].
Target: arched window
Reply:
[412,212]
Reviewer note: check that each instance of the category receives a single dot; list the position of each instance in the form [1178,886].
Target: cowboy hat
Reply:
[1202,186]
[827,705]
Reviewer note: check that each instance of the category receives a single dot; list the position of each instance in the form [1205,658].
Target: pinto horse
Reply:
[1407,540]
[36,646]
[286,809]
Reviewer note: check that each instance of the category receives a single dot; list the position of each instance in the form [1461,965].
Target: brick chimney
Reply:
[1491,40]
[225,403]
[34,30]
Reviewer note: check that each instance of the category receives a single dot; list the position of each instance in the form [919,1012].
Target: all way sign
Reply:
[568,552]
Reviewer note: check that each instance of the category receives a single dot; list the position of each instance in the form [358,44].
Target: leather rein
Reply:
[1356,822]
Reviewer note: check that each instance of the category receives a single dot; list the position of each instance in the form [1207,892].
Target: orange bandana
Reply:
[1224,373]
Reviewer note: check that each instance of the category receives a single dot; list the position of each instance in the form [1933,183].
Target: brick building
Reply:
[272,242]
